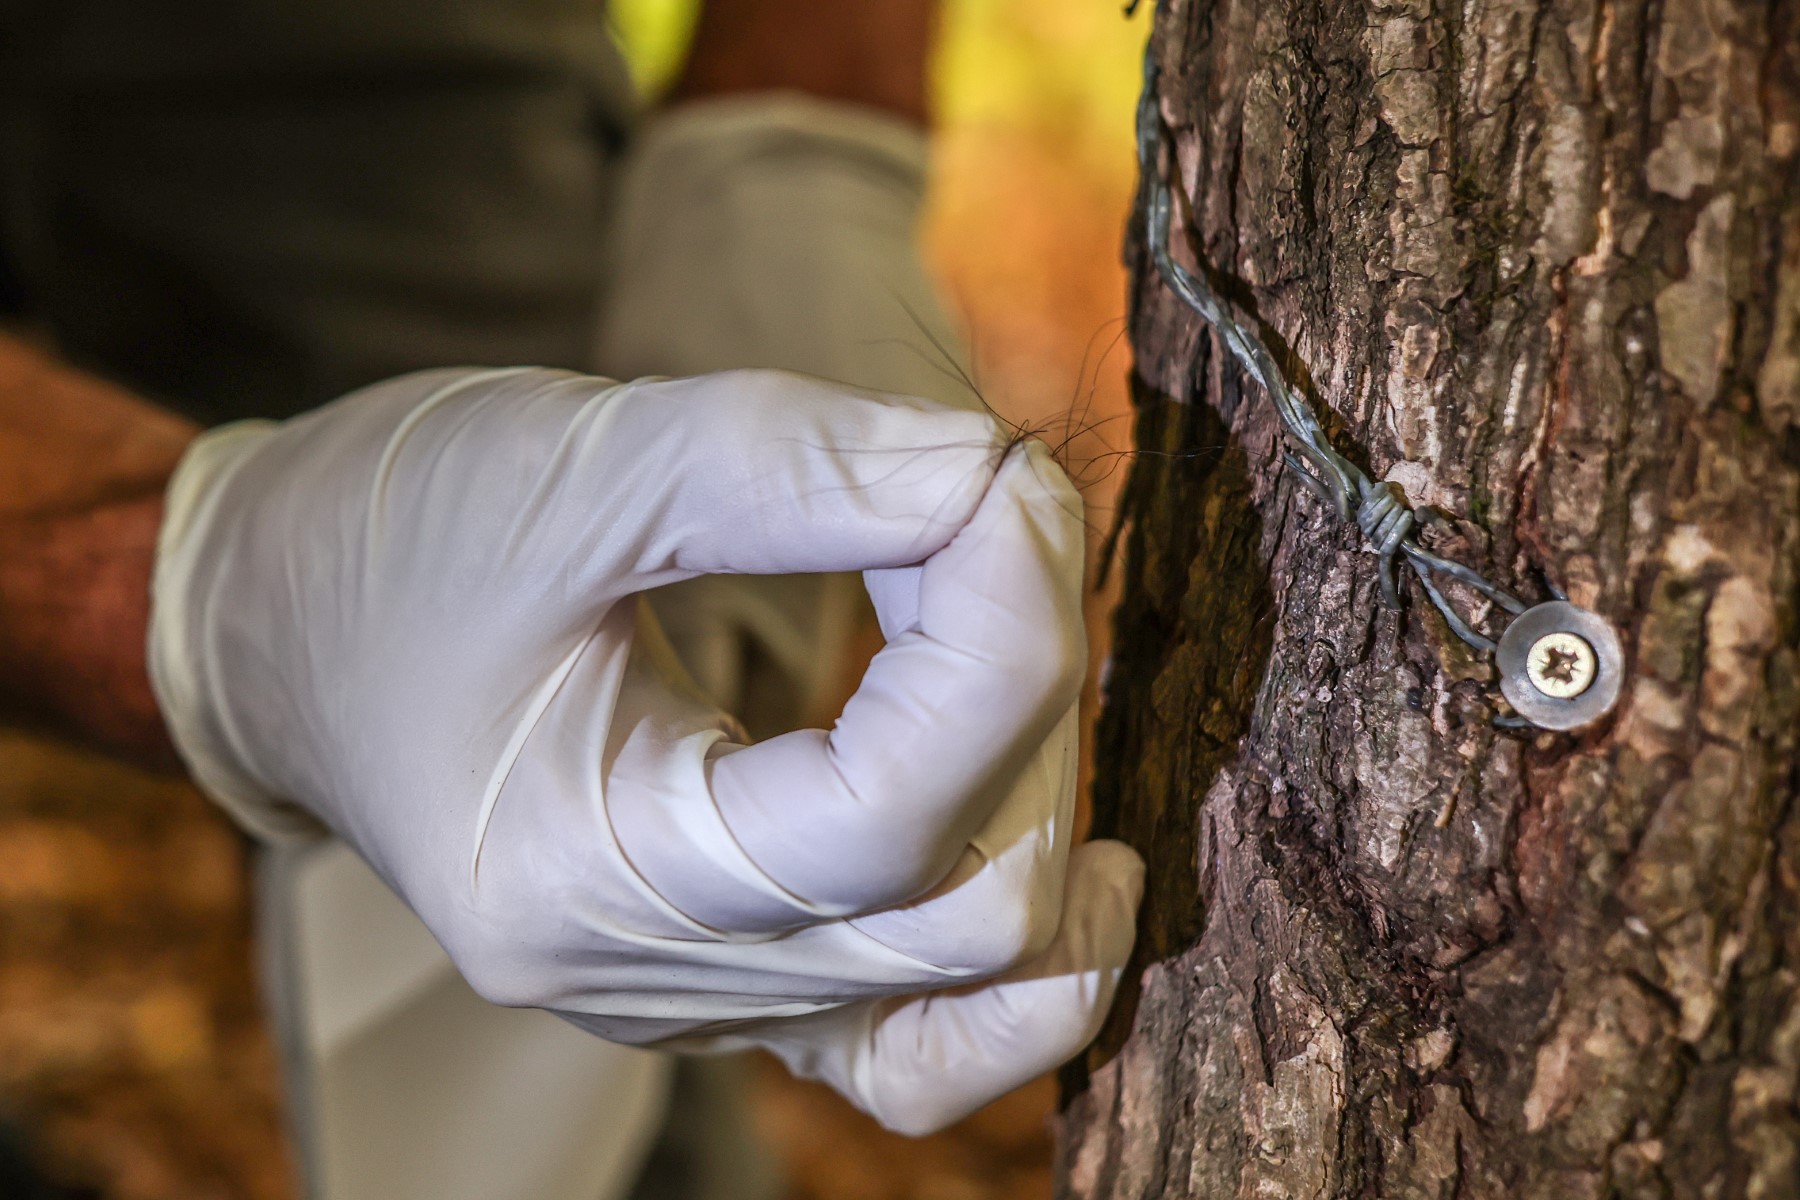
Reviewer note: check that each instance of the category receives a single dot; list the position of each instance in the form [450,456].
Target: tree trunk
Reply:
[1541,260]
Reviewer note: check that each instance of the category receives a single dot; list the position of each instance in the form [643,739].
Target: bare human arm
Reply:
[83,465]
[870,52]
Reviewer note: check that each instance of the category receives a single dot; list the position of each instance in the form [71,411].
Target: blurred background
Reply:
[132,1051]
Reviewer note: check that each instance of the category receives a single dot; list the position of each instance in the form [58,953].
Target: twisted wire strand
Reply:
[1378,508]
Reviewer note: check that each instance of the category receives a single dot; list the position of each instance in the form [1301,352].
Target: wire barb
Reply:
[1378,508]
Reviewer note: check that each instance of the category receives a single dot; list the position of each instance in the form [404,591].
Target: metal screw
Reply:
[1561,664]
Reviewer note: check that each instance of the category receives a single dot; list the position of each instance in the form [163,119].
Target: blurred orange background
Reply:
[131,1043]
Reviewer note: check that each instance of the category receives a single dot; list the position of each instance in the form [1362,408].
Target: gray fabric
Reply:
[248,207]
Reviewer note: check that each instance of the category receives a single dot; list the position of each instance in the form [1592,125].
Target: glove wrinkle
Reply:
[456,383]
[522,730]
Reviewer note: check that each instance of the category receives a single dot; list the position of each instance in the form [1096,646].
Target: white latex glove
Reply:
[410,617]
[784,230]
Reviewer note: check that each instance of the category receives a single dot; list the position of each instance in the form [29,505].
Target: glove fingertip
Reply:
[1116,862]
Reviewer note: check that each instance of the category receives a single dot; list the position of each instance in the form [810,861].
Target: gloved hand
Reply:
[410,617]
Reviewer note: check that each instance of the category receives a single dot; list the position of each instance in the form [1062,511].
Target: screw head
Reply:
[1561,664]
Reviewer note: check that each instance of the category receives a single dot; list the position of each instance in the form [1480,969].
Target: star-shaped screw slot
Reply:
[1560,664]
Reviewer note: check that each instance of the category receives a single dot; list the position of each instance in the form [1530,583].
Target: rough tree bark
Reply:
[1541,259]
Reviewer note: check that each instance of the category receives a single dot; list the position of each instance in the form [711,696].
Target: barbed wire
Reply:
[1378,508]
